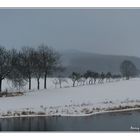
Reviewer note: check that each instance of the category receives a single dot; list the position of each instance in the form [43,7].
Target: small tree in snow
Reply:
[59,81]
[102,76]
[18,81]
[95,76]
[55,82]
[75,77]
[82,81]
[108,76]
[89,75]
[62,80]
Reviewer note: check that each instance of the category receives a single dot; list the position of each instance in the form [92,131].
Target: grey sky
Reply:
[93,30]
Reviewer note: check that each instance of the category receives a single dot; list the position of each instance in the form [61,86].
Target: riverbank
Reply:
[73,115]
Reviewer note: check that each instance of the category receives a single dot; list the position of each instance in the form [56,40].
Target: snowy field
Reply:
[71,101]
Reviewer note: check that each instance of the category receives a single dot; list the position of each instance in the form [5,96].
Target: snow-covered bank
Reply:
[69,115]
[77,101]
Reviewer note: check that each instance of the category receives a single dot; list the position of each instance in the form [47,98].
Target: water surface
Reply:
[118,121]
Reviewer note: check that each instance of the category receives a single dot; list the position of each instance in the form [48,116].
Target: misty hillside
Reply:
[82,61]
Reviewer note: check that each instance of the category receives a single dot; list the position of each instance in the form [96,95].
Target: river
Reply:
[116,121]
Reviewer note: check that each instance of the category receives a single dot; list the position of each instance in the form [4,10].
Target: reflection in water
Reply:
[101,122]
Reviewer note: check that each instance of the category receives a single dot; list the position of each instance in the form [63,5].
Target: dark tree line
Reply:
[127,70]
[27,63]
[91,77]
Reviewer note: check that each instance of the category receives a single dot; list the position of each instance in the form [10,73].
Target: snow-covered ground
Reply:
[72,101]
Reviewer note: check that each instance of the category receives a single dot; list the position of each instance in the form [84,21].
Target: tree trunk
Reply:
[38,84]
[29,83]
[45,81]
[73,83]
[94,80]
[60,85]
[90,81]
[0,85]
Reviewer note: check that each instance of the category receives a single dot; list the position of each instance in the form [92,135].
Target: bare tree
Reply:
[128,69]
[50,60]
[59,81]
[5,64]
[102,77]
[95,76]
[89,75]
[26,56]
[17,80]
[108,76]
[55,82]
[37,67]
[75,77]
[62,80]
[16,74]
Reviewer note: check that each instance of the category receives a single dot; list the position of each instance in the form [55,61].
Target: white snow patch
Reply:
[72,101]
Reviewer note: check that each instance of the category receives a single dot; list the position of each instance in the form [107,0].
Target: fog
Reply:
[105,31]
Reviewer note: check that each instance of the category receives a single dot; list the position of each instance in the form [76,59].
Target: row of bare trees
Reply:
[92,77]
[127,70]
[20,66]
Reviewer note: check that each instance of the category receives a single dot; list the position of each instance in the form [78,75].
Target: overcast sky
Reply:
[105,31]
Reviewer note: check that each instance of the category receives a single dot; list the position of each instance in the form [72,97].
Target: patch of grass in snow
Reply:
[108,102]
[10,94]
[120,107]
[137,106]
[41,113]
[28,113]
[86,111]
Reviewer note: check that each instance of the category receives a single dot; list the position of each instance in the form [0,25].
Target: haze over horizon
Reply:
[102,31]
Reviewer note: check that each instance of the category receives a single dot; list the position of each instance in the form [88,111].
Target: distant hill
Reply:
[82,61]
